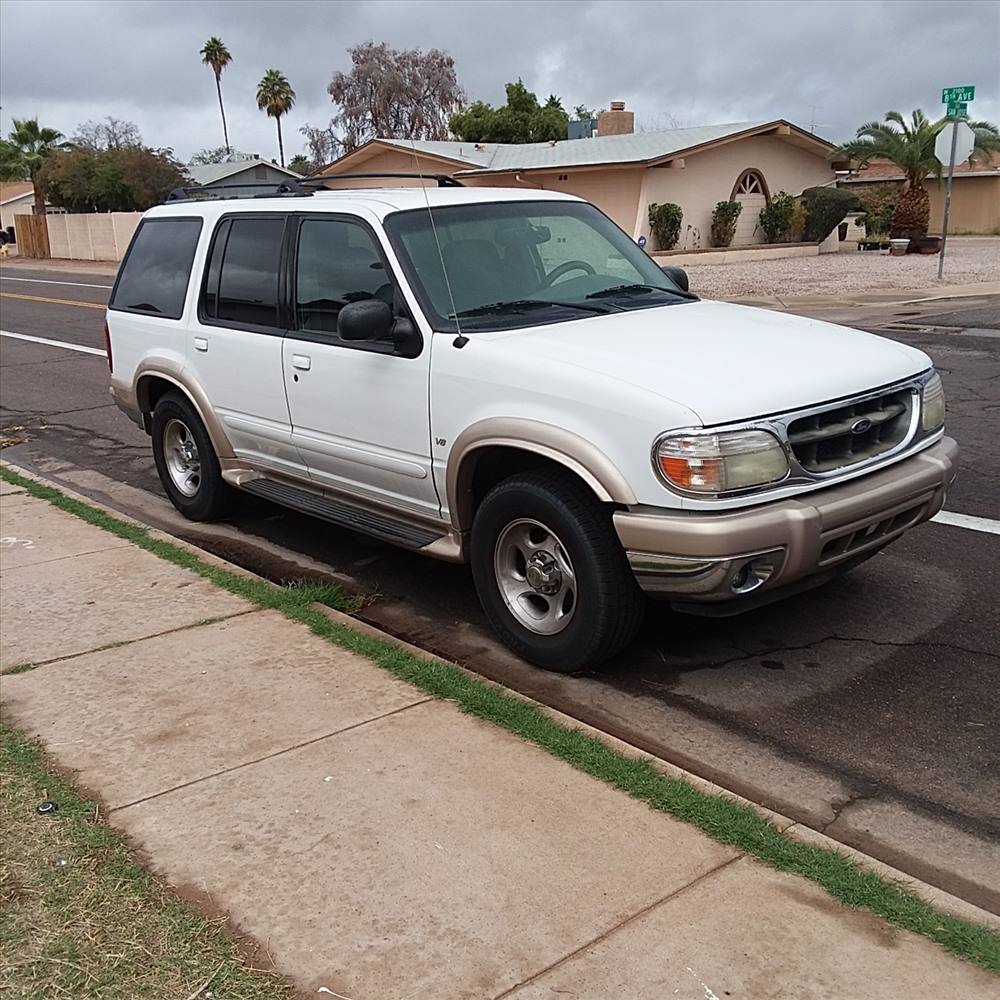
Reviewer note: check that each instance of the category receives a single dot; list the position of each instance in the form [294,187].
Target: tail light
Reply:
[107,346]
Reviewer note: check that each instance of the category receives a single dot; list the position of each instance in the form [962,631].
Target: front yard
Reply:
[969,259]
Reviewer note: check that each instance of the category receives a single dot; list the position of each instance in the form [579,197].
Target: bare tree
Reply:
[109,133]
[662,122]
[393,94]
[324,144]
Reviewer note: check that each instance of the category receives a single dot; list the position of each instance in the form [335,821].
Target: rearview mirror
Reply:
[677,275]
[367,319]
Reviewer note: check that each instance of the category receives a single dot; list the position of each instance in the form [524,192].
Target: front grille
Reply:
[825,442]
[866,536]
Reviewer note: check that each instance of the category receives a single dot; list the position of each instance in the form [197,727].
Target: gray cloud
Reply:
[686,63]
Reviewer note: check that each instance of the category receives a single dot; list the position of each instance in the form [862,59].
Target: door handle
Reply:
[200,343]
[301,361]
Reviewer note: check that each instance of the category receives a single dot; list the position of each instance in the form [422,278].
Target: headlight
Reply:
[932,409]
[718,463]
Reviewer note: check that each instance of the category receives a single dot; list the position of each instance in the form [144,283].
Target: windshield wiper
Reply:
[632,289]
[522,305]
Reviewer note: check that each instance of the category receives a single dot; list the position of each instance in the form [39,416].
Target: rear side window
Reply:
[154,276]
[241,283]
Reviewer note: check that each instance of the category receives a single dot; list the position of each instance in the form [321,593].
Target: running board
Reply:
[345,515]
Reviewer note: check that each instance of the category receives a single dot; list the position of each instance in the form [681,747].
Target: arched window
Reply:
[751,181]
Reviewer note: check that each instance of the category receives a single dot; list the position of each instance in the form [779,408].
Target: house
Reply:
[16,198]
[239,169]
[975,194]
[623,172]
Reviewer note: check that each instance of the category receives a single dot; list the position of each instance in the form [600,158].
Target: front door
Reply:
[359,411]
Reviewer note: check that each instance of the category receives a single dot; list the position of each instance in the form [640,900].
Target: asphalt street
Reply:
[868,708]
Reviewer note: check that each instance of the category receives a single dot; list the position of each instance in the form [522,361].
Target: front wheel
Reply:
[551,574]
[186,461]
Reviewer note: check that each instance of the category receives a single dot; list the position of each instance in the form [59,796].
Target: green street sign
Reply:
[958,109]
[952,94]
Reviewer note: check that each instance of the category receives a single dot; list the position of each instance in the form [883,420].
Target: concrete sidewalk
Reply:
[379,843]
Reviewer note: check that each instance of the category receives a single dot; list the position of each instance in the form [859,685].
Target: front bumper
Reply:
[727,562]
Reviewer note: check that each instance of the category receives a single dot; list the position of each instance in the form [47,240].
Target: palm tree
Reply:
[301,164]
[276,97]
[24,151]
[910,146]
[216,55]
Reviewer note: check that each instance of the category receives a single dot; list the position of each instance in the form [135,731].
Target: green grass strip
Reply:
[721,818]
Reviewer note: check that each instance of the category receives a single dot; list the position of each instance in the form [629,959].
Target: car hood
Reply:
[722,361]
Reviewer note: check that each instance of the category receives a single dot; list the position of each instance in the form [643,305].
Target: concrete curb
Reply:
[946,902]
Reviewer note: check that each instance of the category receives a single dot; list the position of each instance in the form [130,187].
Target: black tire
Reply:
[211,497]
[609,605]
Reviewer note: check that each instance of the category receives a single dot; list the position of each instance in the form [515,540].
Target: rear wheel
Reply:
[551,574]
[186,461]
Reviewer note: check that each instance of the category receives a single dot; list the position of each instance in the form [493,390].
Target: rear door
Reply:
[234,342]
[359,410]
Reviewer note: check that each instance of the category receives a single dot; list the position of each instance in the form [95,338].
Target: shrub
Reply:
[724,219]
[665,223]
[826,208]
[776,217]
[877,207]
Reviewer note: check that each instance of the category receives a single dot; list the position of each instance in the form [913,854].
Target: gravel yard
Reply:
[969,259]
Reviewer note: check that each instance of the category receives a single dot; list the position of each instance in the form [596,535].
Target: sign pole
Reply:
[947,197]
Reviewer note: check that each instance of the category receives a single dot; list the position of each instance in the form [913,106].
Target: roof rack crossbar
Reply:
[209,192]
[443,180]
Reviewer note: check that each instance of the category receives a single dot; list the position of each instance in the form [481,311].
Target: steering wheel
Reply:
[565,268]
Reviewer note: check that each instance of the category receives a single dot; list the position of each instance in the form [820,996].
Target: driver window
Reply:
[338,262]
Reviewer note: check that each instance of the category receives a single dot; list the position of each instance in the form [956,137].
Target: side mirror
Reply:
[367,319]
[677,275]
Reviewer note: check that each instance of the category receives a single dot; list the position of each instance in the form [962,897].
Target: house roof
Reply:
[211,173]
[13,190]
[632,148]
[883,170]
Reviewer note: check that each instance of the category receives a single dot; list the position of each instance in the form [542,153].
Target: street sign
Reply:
[965,140]
[951,94]
[957,109]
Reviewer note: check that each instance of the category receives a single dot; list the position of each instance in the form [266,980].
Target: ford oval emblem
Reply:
[861,426]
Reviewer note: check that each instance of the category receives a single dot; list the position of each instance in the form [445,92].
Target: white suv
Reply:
[504,377]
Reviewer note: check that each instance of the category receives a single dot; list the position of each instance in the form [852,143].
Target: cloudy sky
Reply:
[829,65]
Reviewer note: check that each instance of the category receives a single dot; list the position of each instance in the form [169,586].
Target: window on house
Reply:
[260,173]
[750,182]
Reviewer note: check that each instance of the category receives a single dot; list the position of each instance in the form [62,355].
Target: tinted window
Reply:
[154,276]
[248,277]
[338,262]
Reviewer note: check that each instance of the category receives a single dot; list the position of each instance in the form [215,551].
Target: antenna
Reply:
[461,340]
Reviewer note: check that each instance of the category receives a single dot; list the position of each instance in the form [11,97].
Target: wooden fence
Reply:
[32,233]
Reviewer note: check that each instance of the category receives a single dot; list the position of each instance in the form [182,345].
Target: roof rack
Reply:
[287,188]
[291,188]
[443,180]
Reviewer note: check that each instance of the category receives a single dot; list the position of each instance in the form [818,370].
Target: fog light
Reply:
[752,574]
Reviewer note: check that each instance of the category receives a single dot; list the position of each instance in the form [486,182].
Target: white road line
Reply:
[968,521]
[54,343]
[48,281]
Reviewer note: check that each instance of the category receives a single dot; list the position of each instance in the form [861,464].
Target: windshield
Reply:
[513,264]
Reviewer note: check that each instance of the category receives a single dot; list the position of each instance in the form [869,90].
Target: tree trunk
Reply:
[222,111]
[912,215]
[281,148]
[39,208]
